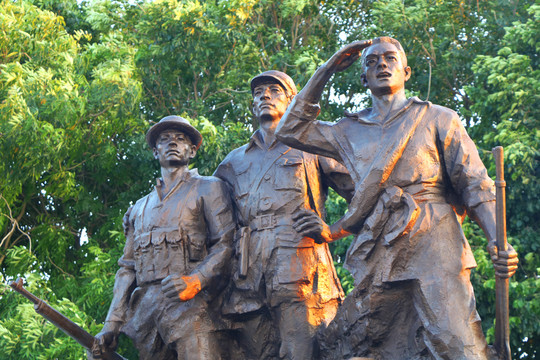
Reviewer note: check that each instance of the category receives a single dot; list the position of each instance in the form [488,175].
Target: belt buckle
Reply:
[265,222]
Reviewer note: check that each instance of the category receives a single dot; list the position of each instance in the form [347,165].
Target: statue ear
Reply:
[155,152]
[407,73]
[193,152]
[364,79]
[291,97]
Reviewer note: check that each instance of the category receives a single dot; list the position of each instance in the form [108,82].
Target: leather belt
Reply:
[431,197]
[423,194]
[263,222]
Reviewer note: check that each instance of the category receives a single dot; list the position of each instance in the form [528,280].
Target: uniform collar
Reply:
[256,140]
[362,116]
[186,176]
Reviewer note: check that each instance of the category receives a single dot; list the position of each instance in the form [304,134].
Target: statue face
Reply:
[385,73]
[174,148]
[270,101]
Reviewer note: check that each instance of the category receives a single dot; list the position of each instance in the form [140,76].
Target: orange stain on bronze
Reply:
[317,288]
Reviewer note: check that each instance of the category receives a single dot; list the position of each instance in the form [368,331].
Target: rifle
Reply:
[502,325]
[63,323]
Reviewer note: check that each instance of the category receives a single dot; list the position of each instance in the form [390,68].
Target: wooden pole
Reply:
[502,325]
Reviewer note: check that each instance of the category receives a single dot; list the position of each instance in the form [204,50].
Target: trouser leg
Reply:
[390,322]
[145,306]
[447,309]
[256,335]
[199,346]
[295,331]
[151,346]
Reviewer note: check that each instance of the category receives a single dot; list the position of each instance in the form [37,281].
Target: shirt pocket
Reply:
[177,257]
[289,174]
[142,240]
[297,265]
[242,178]
[143,254]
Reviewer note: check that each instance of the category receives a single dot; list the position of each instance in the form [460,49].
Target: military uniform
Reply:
[291,276]
[187,232]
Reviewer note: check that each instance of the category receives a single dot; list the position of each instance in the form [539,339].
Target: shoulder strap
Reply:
[370,185]
[346,150]
[190,190]
[311,199]
[182,230]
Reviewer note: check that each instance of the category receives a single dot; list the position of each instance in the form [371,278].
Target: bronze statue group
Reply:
[237,265]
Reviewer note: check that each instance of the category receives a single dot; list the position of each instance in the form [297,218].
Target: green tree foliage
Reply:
[179,39]
[80,83]
[509,84]
[179,42]
[70,136]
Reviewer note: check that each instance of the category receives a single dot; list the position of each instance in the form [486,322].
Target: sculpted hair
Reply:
[386,39]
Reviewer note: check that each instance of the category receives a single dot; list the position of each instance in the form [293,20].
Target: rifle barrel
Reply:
[60,321]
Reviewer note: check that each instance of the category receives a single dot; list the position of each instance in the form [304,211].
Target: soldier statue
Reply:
[176,257]
[284,284]
[416,173]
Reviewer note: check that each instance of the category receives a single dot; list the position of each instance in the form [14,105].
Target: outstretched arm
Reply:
[340,61]
[297,127]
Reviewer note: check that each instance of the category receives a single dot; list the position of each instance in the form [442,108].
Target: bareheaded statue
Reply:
[416,174]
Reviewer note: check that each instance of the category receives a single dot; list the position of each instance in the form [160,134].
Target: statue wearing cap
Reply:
[284,282]
[175,261]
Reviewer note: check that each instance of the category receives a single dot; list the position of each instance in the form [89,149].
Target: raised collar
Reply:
[362,116]
[256,140]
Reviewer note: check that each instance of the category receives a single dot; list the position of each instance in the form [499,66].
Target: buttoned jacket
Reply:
[269,185]
[188,231]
